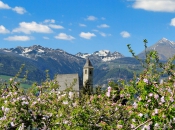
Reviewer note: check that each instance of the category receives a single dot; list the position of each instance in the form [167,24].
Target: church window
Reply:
[90,72]
[85,71]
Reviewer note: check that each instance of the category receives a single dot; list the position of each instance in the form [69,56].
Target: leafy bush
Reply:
[143,103]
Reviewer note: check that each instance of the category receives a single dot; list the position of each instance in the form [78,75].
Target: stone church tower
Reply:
[88,73]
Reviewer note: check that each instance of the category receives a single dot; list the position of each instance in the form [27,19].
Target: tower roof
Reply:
[88,63]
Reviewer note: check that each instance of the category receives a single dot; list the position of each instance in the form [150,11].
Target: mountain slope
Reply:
[164,47]
[38,59]
[10,64]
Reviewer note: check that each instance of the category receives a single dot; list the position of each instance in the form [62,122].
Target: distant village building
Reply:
[74,81]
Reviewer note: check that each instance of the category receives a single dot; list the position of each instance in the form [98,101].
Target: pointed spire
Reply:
[88,63]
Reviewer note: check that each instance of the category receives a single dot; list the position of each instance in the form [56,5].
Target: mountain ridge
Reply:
[107,65]
[164,47]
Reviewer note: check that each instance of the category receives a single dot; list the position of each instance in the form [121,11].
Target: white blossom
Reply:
[156,96]
[146,127]
[162,99]
[171,99]
[140,114]
[150,94]
[132,126]
[12,124]
[156,125]
[145,80]
[71,94]
[25,103]
[3,118]
[135,105]
[156,111]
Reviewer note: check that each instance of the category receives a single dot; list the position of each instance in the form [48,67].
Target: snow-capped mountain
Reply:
[164,47]
[103,55]
[57,61]
[54,60]
[36,51]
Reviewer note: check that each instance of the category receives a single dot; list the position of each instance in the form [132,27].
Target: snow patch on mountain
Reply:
[26,50]
[83,55]
[40,50]
[104,55]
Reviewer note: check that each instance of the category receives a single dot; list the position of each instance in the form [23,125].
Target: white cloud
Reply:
[87,35]
[4,6]
[103,26]
[95,30]
[49,21]
[64,36]
[19,10]
[18,38]
[32,27]
[103,34]
[82,25]
[45,38]
[91,18]
[56,26]
[125,34]
[3,29]
[172,22]
[155,5]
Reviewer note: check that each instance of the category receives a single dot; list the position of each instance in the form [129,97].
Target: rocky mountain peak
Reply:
[102,55]
[164,47]
[164,39]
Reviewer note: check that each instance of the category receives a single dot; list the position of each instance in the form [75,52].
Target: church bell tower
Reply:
[88,73]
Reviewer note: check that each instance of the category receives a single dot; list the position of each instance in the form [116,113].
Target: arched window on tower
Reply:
[85,72]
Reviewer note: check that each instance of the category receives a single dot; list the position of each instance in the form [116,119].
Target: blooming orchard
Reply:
[143,103]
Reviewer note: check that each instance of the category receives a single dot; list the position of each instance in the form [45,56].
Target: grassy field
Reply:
[5,78]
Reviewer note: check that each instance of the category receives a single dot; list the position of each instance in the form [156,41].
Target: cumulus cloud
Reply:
[32,27]
[82,25]
[103,26]
[19,10]
[91,18]
[125,34]
[56,26]
[103,34]
[18,38]
[3,30]
[155,5]
[172,22]
[4,6]
[64,36]
[87,35]
[49,21]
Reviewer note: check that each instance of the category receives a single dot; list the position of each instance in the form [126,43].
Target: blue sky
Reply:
[86,25]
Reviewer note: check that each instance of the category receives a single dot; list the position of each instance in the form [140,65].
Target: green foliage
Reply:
[142,103]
